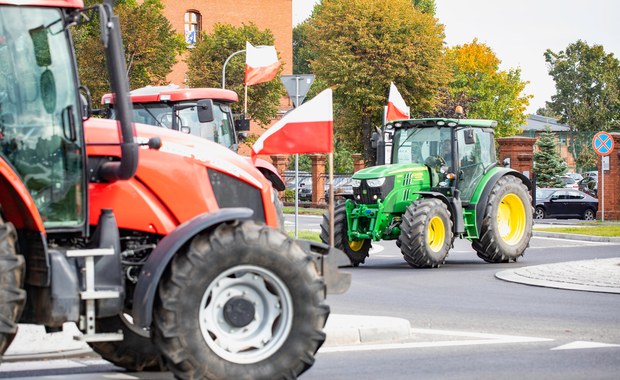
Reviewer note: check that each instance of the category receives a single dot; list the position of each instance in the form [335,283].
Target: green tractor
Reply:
[436,179]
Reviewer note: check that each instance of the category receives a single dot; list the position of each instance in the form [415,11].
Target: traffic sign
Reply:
[297,86]
[603,143]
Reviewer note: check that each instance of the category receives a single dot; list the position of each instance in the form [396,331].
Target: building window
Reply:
[192,27]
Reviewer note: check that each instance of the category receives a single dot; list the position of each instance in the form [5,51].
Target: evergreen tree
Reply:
[548,166]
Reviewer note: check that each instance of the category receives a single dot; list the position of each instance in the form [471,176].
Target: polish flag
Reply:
[396,108]
[308,128]
[261,64]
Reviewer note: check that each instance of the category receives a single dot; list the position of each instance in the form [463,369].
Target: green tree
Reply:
[151,46]
[357,47]
[425,6]
[587,84]
[206,59]
[485,91]
[548,165]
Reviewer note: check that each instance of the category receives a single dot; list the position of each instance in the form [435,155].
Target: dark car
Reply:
[565,203]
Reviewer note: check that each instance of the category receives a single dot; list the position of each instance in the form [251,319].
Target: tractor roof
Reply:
[156,94]
[443,122]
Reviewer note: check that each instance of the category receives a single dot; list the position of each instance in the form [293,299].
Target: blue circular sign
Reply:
[603,143]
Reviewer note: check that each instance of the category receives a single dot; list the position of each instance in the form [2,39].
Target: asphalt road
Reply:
[466,324]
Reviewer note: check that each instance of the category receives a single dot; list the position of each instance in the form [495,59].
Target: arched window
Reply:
[192,27]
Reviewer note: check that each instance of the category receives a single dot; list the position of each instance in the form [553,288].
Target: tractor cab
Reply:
[456,152]
[202,112]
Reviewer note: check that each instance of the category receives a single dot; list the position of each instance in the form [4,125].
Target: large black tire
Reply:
[134,353]
[426,233]
[356,251]
[242,302]
[12,294]
[507,224]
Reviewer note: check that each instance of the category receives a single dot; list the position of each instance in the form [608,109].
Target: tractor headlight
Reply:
[377,182]
[355,182]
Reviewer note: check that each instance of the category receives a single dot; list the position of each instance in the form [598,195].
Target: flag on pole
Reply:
[261,64]
[396,108]
[308,128]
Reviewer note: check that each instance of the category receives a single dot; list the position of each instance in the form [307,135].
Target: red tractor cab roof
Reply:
[46,3]
[156,94]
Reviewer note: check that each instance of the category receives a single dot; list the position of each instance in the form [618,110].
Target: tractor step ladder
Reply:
[90,296]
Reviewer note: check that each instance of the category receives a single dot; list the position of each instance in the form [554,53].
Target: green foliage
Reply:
[207,58]
[548,165]
[485,91]
[425,6]
[151,47]
[587,83]
[357,47]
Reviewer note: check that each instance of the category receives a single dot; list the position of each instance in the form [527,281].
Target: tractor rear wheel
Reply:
[426,233]
[134,353]
[243,301]
[507,224]
[356,250]
[12,295]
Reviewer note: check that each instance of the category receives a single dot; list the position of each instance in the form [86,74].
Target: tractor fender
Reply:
[18,206]
[484,196]
[158,260]
[454,206]
[271,173]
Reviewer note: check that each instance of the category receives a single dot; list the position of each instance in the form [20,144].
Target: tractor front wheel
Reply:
[243,301]
[426,233]
[12,295]
[356,250]
[507,224]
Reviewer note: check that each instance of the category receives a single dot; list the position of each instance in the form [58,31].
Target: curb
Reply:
[603,239]
[344,330]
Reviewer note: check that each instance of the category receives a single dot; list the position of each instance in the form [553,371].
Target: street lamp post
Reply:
[224,67]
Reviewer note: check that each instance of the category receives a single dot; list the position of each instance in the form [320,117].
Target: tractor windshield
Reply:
[220,130]
[40,124]
[427,146]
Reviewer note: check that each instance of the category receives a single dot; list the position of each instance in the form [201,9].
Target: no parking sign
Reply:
[603,144]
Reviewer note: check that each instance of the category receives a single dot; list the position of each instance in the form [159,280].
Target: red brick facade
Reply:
[610,192]
[276,15]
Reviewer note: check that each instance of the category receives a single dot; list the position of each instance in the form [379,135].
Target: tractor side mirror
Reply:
[242,125]
[242,136]
[205,110]
[374,139]
[470,136]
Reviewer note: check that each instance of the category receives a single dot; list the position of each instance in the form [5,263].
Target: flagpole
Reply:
[331,199]
[245,102]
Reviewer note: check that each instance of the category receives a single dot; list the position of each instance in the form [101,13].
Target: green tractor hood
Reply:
[391,170]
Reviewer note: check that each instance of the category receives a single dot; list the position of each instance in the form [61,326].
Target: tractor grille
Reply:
[369,195]
[232,192]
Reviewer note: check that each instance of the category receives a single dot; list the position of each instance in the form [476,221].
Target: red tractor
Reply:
[162,247]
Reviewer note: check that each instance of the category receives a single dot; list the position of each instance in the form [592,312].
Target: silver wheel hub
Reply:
[246,314]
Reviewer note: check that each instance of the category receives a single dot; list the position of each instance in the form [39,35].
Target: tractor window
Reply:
[474,159]
[40,124]
[416,145]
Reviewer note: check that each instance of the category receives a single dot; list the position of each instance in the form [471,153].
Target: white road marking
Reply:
[477,340]
[578,345]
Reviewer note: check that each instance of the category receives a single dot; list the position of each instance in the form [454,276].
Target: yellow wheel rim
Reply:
[356,245]
[436,234]
[511,219]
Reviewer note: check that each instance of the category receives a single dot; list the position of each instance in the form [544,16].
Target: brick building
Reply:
[191,17]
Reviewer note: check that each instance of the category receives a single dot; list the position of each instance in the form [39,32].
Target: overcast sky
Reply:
[519,32]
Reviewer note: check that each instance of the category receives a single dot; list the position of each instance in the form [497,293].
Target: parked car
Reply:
[569,182]
[576,176]
[564,204]
[589,185]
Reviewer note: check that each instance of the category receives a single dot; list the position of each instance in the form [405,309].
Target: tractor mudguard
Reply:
[455,207]
[271,173]
[144,295]
[17,204]
[488,186]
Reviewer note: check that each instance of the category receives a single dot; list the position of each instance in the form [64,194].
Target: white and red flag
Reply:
[261,64]
[308,128]
[396,108]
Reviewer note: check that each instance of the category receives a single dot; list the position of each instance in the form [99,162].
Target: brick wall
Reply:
[612,184]
[276,15]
